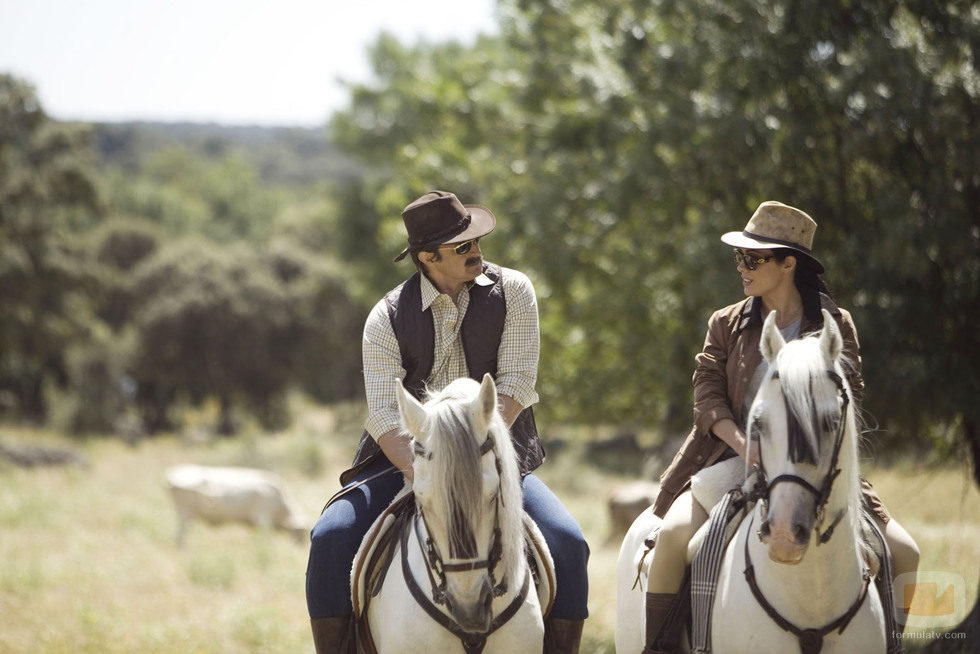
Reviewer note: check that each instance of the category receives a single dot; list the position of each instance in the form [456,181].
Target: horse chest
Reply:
[750,629]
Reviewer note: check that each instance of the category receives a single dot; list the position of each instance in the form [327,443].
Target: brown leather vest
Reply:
[480,332]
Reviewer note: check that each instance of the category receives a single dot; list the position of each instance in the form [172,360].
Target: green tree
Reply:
[618,142]
[240,327]
[46,197]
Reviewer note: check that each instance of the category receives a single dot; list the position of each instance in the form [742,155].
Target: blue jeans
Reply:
[338,532]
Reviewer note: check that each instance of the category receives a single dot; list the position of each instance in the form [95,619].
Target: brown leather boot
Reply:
[562,636]
[659,606]
[331,635]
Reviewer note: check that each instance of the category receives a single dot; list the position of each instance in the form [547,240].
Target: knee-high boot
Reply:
[659,606]
[331,635]
[562,636]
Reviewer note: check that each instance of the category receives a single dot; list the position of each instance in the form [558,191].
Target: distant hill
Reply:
[288,155]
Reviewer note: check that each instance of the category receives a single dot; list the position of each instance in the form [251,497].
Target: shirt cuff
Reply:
[523,396]
[707,419]
[381,422]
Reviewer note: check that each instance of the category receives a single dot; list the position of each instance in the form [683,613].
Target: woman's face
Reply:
[769,275]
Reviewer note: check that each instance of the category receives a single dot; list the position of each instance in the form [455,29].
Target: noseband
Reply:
[434,564]
[822,494]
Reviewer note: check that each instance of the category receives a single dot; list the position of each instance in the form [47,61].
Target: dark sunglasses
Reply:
[465,246]
[750,261]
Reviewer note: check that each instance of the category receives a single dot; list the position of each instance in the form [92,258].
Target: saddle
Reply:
[377,551]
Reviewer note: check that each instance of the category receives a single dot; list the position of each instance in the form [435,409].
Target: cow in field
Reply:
[222,494]
[627,502]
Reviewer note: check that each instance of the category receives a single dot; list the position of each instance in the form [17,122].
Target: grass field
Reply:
[88,561]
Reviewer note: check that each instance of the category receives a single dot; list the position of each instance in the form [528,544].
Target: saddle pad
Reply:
[542,565]
[377,546]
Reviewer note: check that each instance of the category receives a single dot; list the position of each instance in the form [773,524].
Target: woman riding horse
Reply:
[778,273]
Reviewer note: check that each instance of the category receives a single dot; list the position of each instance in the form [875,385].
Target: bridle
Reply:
[436,567]
[762,488]
[810,640]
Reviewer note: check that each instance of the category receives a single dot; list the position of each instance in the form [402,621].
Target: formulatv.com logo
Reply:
[930,599]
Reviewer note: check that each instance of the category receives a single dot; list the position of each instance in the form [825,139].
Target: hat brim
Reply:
[741,240]
[482,222]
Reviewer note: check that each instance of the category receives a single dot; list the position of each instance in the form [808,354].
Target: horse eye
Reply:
[755,431]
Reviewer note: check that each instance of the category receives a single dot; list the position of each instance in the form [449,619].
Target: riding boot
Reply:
[562,636]
[331,635]
[659,606]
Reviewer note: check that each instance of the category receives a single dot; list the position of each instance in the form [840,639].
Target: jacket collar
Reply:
[751,314]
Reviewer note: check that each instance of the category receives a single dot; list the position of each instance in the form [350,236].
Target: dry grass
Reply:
[88,562]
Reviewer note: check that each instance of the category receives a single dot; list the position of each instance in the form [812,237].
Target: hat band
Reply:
[457,228]
[790,244]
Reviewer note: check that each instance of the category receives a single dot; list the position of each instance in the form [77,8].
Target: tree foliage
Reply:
[46,196]
[617,142]
[172,276]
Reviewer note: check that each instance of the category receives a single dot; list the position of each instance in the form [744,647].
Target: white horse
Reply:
[794,577]
[464,583]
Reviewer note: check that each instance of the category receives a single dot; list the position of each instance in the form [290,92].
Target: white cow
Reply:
[221,494]
[627,502]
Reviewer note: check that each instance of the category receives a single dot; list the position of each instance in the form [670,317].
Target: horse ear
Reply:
[486,402]
[772,341]
[411,410]
[831,341]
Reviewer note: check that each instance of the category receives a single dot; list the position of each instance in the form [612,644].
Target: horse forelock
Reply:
[457,474]
[809,395]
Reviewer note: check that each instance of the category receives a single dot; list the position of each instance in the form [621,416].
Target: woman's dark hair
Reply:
[808,282]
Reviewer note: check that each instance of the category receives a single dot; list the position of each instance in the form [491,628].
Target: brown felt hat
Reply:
[777,225]
[439,217]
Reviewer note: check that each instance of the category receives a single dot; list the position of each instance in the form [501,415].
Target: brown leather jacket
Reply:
[724,369]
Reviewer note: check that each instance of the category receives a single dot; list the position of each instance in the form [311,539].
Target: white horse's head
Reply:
[805,433]
[467,487]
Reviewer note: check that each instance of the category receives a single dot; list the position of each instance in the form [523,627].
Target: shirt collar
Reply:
[430,292]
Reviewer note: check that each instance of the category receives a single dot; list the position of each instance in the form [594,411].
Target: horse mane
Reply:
[461,483]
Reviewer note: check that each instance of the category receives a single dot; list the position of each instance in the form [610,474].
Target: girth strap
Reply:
[472,643]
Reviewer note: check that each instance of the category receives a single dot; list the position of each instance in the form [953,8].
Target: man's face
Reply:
[454,262]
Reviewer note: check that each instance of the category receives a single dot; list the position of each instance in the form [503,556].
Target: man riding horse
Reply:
[457,316]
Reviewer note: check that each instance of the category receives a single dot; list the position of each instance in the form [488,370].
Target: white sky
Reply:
[263,62]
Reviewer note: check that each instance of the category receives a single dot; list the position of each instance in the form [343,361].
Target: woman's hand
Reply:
[728,431]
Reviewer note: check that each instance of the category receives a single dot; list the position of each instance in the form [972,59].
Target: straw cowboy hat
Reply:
[439,217]
[777,225]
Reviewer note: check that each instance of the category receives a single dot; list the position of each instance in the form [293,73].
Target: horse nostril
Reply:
[764,531]
[801,533]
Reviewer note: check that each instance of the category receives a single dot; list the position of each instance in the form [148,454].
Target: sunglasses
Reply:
[465,246]
[750,261]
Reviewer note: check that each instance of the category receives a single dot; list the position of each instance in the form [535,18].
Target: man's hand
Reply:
[509,409]
[397,446]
